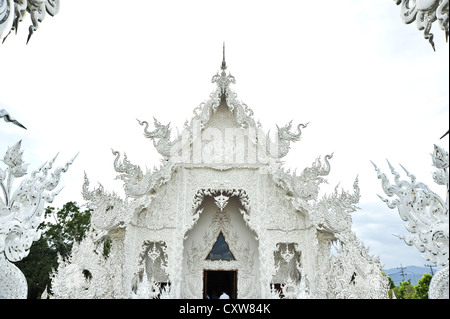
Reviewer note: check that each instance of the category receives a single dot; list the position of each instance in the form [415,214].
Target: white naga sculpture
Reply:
[426,217]
[12,13]
[21,213]
[220,209]
[425,13]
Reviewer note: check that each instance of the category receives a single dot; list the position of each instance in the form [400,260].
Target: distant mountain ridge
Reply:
[413,273]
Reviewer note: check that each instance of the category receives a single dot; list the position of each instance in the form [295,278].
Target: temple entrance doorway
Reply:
[217,281]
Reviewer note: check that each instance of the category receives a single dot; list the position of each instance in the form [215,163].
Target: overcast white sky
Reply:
[370,86]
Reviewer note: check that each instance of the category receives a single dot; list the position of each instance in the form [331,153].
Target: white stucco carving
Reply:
[21,212]
[425,214]
[12,13]
[425,13]
[222,178]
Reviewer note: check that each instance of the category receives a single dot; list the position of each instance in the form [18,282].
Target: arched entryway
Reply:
[220,250]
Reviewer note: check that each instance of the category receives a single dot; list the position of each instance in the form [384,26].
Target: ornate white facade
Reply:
[221,209]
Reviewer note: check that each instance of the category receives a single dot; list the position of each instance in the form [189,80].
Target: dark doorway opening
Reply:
[217,281]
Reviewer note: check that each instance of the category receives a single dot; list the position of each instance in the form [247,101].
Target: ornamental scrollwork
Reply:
[12,13]
[87,272]
[137,183]
[244,115]
[332,212]
[352,273]
[108,209]
[128,171]
[425,13]
[221,201]
[202,114]
[152,281]
[280,148]
[425,214]
[439,284]
[287,261]
[306,186]
[160,136]
[221,197]
[21,213]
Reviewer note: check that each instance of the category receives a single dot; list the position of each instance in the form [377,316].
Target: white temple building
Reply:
[220,214]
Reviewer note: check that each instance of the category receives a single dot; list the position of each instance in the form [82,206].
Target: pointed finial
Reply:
[224,64]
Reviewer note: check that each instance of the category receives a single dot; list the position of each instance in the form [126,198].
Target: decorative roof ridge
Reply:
[244,116]
[203,112]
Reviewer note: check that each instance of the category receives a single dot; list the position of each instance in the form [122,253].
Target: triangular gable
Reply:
[221,134]
[220,250]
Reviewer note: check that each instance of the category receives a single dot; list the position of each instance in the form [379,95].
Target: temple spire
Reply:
[224,64]
[223,80]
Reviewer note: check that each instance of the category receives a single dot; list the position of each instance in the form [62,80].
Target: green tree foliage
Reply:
[61,228]
[391,286]
[421,289]
[37,266]
[69,224]
[407,291]
[391,283]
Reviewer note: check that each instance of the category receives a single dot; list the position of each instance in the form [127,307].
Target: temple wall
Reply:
[173,213]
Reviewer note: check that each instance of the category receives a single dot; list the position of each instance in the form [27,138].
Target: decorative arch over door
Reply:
[221,197]
[221,243]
